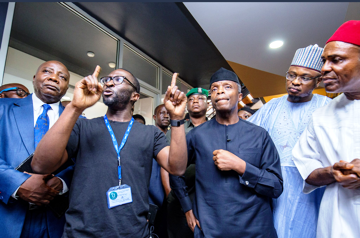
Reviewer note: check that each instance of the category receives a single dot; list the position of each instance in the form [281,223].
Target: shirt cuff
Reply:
[308,188]
[65,187]
[185,204]
[14,194]
[250,177]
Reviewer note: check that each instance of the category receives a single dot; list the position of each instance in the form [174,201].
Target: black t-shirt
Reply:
[96,171]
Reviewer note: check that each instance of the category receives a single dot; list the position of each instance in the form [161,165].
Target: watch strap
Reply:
[177,123]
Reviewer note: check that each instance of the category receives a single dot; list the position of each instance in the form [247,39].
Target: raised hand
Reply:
[175,100]
[35,190]
[87,91]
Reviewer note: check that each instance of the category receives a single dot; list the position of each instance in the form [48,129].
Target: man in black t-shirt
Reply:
[98,206]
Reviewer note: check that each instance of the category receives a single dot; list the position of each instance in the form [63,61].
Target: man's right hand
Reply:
[35,190]
[191,220]
[87,91]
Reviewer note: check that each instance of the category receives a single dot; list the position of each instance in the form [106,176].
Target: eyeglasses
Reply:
[117,80]
[303,79]
[19,91]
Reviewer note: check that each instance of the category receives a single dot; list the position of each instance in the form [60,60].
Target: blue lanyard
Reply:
[118,149]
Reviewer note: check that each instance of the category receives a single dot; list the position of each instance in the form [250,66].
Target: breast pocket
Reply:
[251,155]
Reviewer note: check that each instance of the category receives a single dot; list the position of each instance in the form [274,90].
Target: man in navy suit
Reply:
[23,196]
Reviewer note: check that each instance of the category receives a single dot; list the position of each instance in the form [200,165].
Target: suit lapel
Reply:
[24,119]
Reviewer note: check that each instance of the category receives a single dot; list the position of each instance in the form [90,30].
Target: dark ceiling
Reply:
[50,32]
[166,32]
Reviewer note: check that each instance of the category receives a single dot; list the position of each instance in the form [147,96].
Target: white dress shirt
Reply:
[332,135]
[53,113]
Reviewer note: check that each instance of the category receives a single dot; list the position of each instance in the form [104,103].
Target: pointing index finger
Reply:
[173,81]
[97,71]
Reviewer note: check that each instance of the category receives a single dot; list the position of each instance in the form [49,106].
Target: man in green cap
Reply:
[179,208]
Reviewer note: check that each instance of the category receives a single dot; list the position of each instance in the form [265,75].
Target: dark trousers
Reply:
[160,225]
[35,225]
[176,220]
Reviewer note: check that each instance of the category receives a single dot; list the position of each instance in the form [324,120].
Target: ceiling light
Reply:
[112,65]
[276,44]
[90,54]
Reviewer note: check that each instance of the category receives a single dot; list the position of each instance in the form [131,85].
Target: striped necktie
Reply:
[42,124]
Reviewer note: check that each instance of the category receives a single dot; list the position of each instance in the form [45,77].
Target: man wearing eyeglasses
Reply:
[109,195]
[23,122]
[13,90]
[285,118]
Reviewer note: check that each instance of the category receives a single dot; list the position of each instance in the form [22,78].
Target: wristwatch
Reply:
[177,123]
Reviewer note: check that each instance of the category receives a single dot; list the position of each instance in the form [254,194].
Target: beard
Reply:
[294,98]
[118,99]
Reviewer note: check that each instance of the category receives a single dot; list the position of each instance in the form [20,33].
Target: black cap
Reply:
[248,109]
[224,74]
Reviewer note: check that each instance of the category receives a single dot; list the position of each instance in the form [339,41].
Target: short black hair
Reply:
[138,116]
[134,80]
[248,109]
[158,107]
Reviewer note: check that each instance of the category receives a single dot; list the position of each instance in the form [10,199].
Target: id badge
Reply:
[119,195]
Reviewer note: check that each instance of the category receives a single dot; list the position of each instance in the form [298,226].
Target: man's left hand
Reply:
[175,100]
[226,161]
[55,183]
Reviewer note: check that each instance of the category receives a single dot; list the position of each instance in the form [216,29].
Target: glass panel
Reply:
[166,81]
[182,87]
[141,68]
[56,34]
[145,107]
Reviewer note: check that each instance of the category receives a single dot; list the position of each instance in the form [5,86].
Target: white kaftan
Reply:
[333,134]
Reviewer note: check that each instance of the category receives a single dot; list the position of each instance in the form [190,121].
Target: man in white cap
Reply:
[285,118]
[327,152]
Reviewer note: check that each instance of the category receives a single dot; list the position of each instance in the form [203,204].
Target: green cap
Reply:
[198,90]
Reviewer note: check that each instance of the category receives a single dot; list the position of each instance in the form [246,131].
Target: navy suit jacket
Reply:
[16,144]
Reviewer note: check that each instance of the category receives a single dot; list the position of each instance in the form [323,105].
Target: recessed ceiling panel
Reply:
[243,31]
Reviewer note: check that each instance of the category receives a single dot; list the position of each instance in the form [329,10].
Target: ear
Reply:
[240,97]
[1,95]
[134,97]
[154,117]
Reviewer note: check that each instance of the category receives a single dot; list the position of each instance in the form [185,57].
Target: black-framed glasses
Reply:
[19,91]
[117,80]
[302,78]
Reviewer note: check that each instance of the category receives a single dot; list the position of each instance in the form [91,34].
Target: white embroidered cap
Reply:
[309,57]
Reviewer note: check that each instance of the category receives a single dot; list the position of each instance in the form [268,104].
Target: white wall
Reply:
[145,107]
